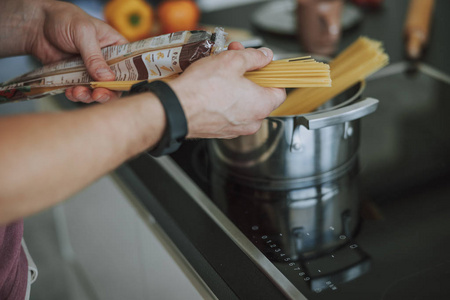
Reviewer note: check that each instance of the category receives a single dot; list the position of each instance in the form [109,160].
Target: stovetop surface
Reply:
[401,245]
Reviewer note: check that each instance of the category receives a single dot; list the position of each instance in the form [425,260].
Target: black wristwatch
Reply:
[176,123]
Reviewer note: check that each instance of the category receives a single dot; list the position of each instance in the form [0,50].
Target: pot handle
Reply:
[340,115]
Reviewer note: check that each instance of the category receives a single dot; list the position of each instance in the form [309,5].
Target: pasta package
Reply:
[149,59]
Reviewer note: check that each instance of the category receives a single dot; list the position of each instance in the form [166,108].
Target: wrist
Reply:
[20,21]
[190,102]
[147,120]
[175,121]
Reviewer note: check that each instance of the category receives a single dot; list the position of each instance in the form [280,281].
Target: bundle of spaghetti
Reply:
[286,73]
[355,63]
[292,73]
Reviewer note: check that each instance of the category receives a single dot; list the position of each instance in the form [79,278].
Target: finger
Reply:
[82,94]
[260,58]
[277,96]
[112,37]
[120,39]
[103,95]
[69,94]
[89,48]
[235,46]
[250,59]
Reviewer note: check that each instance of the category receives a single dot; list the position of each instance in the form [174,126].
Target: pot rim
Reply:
[356,96]
[326,59]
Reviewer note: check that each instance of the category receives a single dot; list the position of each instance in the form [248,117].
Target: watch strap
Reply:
[176,123]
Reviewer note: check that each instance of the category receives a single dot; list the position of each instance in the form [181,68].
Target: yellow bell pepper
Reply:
[132,18]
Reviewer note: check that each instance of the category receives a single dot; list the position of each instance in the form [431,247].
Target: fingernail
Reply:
[83,96]
[104,73]
[102,98]
[264,51]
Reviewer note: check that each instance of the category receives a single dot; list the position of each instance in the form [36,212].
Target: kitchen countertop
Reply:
[404,172]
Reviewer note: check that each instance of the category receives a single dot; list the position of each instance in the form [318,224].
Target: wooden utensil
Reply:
[417,27]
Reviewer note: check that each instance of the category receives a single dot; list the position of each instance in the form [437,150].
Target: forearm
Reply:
[49,157]
[46,158]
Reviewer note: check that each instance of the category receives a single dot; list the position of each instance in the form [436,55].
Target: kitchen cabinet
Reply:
[121,251]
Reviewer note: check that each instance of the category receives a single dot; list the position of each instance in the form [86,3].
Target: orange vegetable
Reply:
[132,18]
[178,15]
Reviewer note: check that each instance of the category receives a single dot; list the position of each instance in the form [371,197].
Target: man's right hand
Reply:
[219,102]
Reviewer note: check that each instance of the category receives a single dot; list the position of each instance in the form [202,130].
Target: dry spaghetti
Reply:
[358,61]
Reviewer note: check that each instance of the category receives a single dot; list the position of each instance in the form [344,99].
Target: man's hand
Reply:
[219,101]
[54,30]
[66,29]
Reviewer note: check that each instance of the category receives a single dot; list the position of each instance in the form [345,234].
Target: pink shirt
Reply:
[13,263]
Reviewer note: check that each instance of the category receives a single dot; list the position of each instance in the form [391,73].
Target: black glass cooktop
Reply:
[381,231]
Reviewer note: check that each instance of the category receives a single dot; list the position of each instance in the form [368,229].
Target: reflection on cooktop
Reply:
[308,233]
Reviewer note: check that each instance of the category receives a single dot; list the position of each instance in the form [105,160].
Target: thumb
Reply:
[255,58]
[91,53]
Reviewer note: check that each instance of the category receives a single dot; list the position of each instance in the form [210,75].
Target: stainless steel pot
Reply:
[298,150]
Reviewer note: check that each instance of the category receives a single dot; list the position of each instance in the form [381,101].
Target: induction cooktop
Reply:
[399,247]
